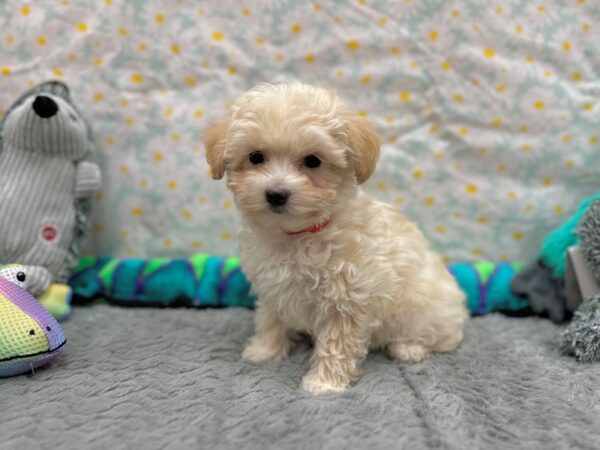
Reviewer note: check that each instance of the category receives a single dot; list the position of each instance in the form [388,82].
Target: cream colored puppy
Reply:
[324,257]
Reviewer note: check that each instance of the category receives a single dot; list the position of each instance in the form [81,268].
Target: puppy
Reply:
[323,256]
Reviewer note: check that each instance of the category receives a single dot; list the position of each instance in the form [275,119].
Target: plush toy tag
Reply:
[49,233]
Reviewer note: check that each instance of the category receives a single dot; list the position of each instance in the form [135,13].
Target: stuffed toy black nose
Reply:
[44,106]
[277,198]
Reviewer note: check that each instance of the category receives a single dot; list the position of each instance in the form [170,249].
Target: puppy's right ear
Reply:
[214,141]
[364,146]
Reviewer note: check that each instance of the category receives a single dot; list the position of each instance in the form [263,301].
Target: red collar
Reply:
[313,229]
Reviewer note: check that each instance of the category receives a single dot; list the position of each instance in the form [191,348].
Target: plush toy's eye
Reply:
[257,158]
[312,162]
[21,276]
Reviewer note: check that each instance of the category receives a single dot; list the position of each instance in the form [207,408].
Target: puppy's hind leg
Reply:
[417,348]
[271,341]
[408,352]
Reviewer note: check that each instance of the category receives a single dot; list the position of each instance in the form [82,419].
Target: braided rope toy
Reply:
[205,280]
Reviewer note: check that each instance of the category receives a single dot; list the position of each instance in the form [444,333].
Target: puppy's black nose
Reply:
[277,198]
[44,106]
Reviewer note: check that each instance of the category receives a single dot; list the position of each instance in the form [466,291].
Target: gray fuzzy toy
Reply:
[46,184]
[581,338]
[589,234]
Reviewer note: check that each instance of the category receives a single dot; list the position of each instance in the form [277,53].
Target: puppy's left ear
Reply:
[214,141]
[364,147]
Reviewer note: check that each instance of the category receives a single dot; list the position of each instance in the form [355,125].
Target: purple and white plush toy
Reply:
[29,336]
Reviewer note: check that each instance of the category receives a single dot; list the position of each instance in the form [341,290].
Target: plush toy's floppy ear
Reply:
[214,141]
[364,147]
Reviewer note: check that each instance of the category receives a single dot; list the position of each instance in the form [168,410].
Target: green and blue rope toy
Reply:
[201,280]
[204,280]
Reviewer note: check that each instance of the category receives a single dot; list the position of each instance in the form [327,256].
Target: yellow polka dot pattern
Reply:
[487,118]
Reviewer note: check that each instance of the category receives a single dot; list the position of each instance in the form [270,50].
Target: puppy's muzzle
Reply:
[277,199]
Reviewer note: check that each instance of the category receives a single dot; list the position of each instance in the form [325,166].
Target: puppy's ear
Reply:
[214,141]
[364,147]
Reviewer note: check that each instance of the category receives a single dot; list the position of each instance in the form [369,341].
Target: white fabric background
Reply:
[488,111]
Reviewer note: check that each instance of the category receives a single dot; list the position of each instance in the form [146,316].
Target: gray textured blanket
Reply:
[149,379]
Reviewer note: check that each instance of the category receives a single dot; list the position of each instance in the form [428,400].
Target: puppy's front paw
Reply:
[318,385]
[259,352]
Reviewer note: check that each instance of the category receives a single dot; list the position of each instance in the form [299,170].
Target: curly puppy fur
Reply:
[589,233]
[364,279]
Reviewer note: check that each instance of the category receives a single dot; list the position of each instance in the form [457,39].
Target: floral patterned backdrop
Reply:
[488,110]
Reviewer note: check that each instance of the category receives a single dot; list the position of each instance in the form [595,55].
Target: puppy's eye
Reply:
[257,158]
[312,162]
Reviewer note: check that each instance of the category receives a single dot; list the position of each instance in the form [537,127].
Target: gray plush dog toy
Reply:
[46,184]
[582,337]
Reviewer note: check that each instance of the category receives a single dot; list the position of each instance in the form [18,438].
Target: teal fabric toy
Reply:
[487,286]
[47,181]
[554,247]
[29,336]
[210,281]
[201,280]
